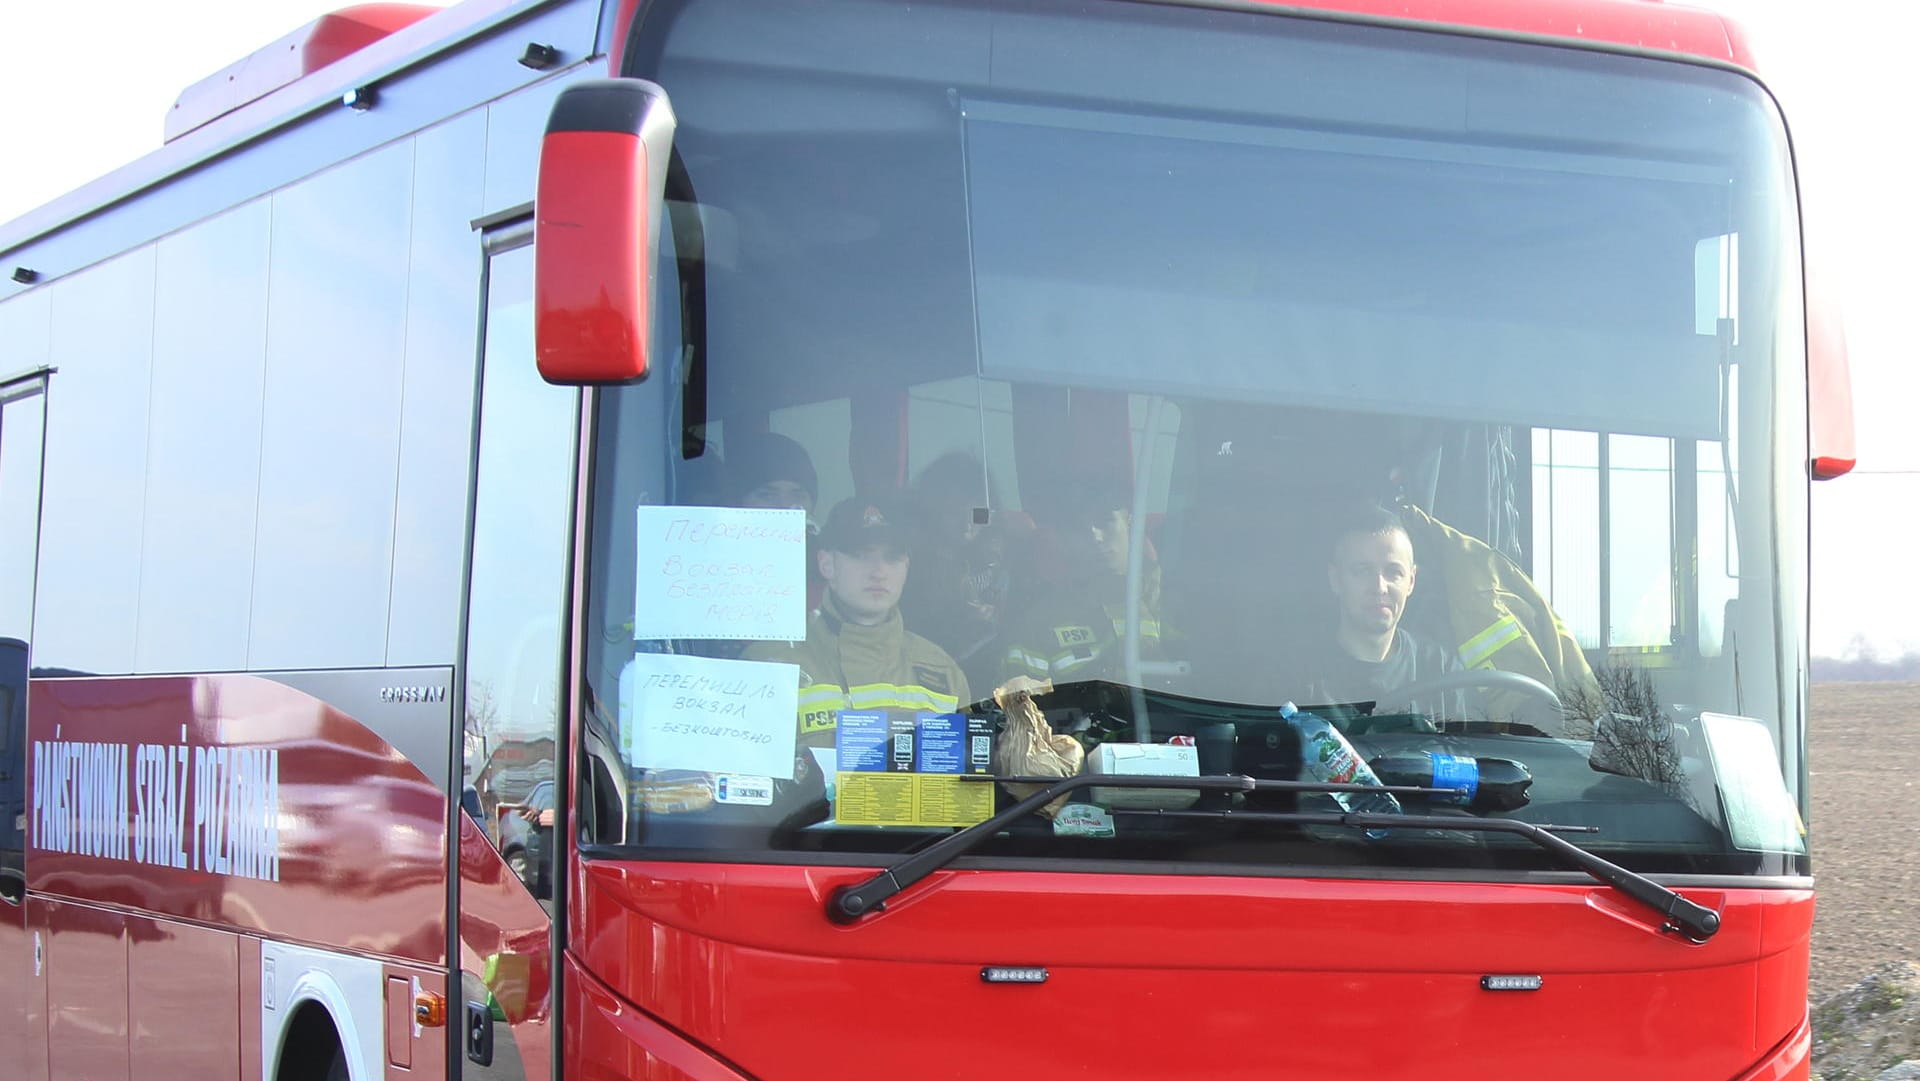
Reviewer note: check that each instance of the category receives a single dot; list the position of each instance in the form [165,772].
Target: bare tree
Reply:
[481,727]
[1581,707]
[1635,736]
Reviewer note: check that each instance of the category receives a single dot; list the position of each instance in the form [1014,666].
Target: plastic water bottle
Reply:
[1325,755]
[1479,784]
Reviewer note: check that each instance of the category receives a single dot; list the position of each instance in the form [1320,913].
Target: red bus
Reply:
[430,487]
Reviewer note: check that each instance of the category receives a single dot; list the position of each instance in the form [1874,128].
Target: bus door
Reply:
[22,418]
[512,662]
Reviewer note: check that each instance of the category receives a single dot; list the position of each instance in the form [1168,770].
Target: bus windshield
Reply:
[1182,391]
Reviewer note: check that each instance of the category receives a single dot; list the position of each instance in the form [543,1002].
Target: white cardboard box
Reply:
[1148,759]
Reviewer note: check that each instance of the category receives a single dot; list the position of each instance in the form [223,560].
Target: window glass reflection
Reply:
[522,501]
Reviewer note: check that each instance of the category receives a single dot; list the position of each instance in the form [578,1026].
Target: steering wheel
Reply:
[1397,700]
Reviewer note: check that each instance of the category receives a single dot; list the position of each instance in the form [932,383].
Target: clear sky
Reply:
[93,83]
[103,76]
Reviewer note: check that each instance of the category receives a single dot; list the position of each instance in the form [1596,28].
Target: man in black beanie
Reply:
[770,471]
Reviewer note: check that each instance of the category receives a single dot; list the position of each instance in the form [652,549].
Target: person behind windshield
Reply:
[1076,630]
[959,588]
[768,471]
[1370,655]
[858,653]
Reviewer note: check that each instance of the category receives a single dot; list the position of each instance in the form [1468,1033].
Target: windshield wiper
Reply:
[1696,922]
[849,903]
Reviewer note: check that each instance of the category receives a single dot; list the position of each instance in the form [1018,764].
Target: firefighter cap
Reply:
[863,522]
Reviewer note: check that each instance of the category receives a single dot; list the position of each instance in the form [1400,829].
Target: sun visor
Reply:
[1346,271]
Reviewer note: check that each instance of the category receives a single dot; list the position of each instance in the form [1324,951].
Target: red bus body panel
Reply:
[184,999]
[609,1040]
[359,824]
[139,951]
[1788,1062]
[1635,24]
[86,964]
[1161,976]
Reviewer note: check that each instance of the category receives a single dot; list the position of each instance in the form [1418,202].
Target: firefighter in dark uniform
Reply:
[1077,630]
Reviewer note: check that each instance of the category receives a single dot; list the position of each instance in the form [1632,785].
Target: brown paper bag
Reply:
[1028,746]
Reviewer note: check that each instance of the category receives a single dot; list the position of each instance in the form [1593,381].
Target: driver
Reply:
[1370,656]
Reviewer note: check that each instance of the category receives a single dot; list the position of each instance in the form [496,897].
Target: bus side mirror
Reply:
[1829,384]
[598,211]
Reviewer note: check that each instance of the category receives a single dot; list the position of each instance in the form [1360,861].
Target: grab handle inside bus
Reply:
[598,212]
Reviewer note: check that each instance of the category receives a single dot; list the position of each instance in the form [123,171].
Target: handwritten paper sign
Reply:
[721,572]
[716,716]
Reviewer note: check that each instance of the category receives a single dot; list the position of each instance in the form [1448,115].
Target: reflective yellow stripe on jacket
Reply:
[1478,651]
[821,703]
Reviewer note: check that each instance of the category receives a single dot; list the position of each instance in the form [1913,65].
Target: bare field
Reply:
[1864,755]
